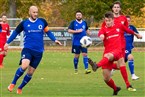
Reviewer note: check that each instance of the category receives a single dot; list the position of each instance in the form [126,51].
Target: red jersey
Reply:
[113,36]
[4,33]
[123,20]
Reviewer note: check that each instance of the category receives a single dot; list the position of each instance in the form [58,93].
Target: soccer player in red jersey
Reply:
[5,31]
[111,37]
[119,19]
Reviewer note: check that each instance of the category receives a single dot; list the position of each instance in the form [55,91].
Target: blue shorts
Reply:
[127,52]
[78,49]
[34,57]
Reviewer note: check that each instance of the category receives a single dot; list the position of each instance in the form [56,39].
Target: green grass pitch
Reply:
[55,77]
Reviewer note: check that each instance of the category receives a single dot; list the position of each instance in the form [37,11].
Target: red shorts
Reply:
[108,66]
[123,52]
[1,47]
[117,55]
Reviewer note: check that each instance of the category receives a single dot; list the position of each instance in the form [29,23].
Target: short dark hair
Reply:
[78,11]
[116,2]
[109,14]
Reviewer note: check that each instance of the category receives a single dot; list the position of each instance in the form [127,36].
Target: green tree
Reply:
[93,10]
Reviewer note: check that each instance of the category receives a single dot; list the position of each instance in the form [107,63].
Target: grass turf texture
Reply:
[55,77]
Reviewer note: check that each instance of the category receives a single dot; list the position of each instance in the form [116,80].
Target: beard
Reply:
[79,19]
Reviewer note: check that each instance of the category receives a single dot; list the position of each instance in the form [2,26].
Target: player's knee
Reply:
[109,56]
[130,57]
[84,54]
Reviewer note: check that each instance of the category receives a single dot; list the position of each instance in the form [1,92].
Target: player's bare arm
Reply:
[88,32]
[58,42]
[138,35]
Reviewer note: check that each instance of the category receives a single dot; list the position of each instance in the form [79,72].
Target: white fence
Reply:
[61,34]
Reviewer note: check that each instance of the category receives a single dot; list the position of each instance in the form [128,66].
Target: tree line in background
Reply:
[61,12]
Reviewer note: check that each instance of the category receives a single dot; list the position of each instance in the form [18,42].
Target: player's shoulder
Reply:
[73,21]
[132,26]
[42,19]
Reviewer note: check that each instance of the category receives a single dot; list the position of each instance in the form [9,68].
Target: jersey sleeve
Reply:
[134,28]
[46,28]
[8,31]
[71,26]
[126,29]
[101,31]
[20,27]
[126,22]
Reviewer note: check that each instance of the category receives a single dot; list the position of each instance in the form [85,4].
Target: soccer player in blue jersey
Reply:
[129,46]
[32,53]
[79,28]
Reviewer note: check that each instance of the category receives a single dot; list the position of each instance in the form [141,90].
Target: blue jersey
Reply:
[75,25]
[130,38]
[33,33]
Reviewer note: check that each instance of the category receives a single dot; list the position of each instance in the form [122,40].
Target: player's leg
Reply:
[26,79]
[105,60]
[76,51]
[37,56]
[124,74]
[85,60]
[1,55]
[109,81]
[131,67]
[19,73]
[24,62]
[1,60]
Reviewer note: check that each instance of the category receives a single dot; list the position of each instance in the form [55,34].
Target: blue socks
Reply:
[26,79]
[76,60]
[18,74]
[85,60]
[131,66]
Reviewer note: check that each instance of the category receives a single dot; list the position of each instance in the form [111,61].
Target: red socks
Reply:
[111,84]
[124,75]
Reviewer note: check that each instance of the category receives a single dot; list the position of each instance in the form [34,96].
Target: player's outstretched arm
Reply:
[58,42]
[52,37]
[138,35]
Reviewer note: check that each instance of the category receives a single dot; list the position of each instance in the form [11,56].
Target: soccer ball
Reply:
[86,41]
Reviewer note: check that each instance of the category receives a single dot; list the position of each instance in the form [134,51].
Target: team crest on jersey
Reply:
[28,25]
[83,26]
[122,22]
[76,24]
[40,27]
[118,30]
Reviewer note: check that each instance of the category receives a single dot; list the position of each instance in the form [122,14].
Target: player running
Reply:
[111,37]
[31,55]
